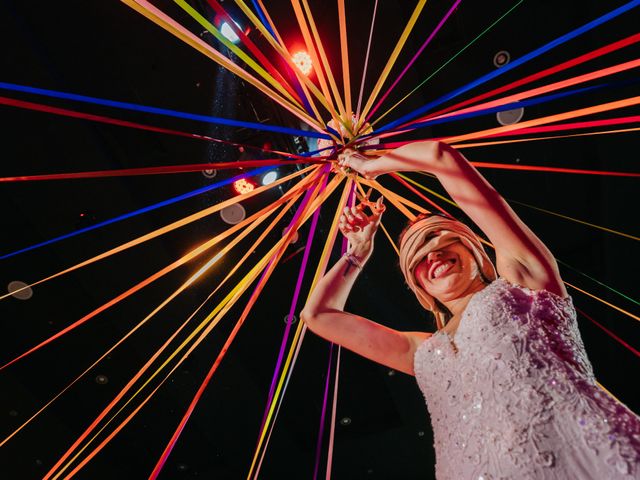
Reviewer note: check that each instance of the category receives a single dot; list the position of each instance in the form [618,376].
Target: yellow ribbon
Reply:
[344,113]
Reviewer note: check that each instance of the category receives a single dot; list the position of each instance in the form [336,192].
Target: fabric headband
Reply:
[434,233]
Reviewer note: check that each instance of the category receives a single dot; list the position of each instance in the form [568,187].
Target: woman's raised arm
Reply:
[521,257]
[324,312]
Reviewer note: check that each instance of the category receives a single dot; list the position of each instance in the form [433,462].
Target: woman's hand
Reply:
[367,166]
[360,228]
[418,156]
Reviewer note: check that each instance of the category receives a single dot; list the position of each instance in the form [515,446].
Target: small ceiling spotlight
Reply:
[269,177]
[302,60]
[290,319]
[501,58]
[344,421]
[17,290]
[233,214]
[102,379]
[210,172]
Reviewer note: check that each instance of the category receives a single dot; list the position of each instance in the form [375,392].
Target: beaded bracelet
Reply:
[353,260]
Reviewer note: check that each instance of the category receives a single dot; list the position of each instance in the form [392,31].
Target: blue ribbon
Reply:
[159,111]
[149,208]
[263,19]
[529,56]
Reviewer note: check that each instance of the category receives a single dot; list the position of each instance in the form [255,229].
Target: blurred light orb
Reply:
[228,33]
[510,117]
[19,290]
[233,214]
[269,177]
[302,60]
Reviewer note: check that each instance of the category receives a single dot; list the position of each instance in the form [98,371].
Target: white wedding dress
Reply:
[513,395]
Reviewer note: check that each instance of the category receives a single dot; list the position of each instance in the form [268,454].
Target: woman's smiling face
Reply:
[448,272]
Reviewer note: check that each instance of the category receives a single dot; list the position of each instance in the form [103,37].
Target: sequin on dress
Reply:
[518,400]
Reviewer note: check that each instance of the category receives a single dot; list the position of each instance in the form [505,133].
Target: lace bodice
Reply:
[516,398]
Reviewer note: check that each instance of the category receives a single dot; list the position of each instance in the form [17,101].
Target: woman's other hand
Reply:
[360,228]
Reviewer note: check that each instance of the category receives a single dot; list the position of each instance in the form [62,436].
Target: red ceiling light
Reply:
[243,186]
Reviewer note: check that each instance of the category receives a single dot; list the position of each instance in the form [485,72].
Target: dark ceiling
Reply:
[105,49]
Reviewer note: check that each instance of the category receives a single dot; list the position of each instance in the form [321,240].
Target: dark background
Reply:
[105,49]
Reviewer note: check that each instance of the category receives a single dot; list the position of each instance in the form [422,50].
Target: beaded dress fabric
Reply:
[513,395]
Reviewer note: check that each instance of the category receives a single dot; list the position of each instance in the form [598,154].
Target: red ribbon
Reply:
[125,172]
[536,168]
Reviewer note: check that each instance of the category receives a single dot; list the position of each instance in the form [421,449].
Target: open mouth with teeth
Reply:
[441,267]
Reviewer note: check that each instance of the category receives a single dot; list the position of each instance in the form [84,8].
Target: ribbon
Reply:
[127,172]
[296,343]
[516,100]
[176,264]
[276,42]
[251,223]
[167,23]
[597,53]
[159,111]
[481,34]
[292,307]
[281,84]
[414,58]
[210,322]
[507,68]
[292,228]
[315,57]
[161,231]
[538,168]
[392,60]
[366,58]
[137,212]
[39,107]
[344,55]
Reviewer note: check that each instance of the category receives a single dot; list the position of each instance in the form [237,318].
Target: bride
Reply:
[509,389]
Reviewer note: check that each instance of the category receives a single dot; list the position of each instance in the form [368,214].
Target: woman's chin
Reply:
[450,286]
